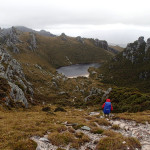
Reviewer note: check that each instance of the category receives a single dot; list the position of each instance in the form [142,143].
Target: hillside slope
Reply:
[130,68]
[39,56]
[57,50]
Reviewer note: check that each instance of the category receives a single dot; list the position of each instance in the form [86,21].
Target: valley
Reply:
[43,108]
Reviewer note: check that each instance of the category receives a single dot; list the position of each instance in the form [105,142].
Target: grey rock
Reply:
[86,128]
[94,113]
[101,43]
[17,94]
[106,93]
[62,93]
[44,139]
[68,60]
[147,45]
[72,149]
[11,70]
[33,42]
[63,37]
[93,72]
[87,98]
[140,41]
[10,37]
[37,66]
[79,39]
[132,51]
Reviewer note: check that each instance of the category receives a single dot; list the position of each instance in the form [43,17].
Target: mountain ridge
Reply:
[130,67]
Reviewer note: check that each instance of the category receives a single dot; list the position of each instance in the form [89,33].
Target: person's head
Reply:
[107,100]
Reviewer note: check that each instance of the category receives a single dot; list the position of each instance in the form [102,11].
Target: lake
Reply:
[77,70]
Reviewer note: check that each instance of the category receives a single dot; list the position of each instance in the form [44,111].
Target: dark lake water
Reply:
[77,70]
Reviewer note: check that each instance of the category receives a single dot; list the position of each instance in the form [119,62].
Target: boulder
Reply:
[86,128]
[17,94]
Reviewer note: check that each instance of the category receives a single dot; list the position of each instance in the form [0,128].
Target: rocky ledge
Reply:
[12,71]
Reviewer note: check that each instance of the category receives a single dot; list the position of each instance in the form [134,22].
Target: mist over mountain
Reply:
[75,75]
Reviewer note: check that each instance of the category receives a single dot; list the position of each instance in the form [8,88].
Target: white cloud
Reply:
[82,17]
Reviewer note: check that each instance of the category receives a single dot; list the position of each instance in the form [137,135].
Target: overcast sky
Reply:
[117,21]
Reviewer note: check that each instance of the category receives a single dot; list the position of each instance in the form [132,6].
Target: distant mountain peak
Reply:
[41,32]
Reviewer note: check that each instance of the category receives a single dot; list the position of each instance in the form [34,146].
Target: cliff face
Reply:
[137,51]
[11,72]
[103,44]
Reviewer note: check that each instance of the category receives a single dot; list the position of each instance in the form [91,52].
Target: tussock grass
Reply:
[97,130]
[24,144]
[102,121]
[17,126]
[117,141]
[61,129]
[61,139]
[139,117]
[110,133]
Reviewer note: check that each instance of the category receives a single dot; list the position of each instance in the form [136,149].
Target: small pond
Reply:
[77,70]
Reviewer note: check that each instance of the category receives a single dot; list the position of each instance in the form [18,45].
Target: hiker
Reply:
[107,107]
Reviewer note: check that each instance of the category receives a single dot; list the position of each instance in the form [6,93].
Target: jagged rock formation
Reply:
[103,44]
[10,38]
[79,39]
[63,37]
[134,51]
[130,66]
[93,91]
[147,45]
[33,42]
[11,70]
[45,33]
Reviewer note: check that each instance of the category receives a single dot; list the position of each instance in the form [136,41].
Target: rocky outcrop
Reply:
[147,47]
[103,44]
[134,50]
[79,39]
[63,37]
[11,70]
[106,94]
[10,37]
[140,41]
[45,33]
[32,42]
[93,91]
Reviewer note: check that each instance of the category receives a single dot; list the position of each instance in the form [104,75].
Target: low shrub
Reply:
[59,109]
